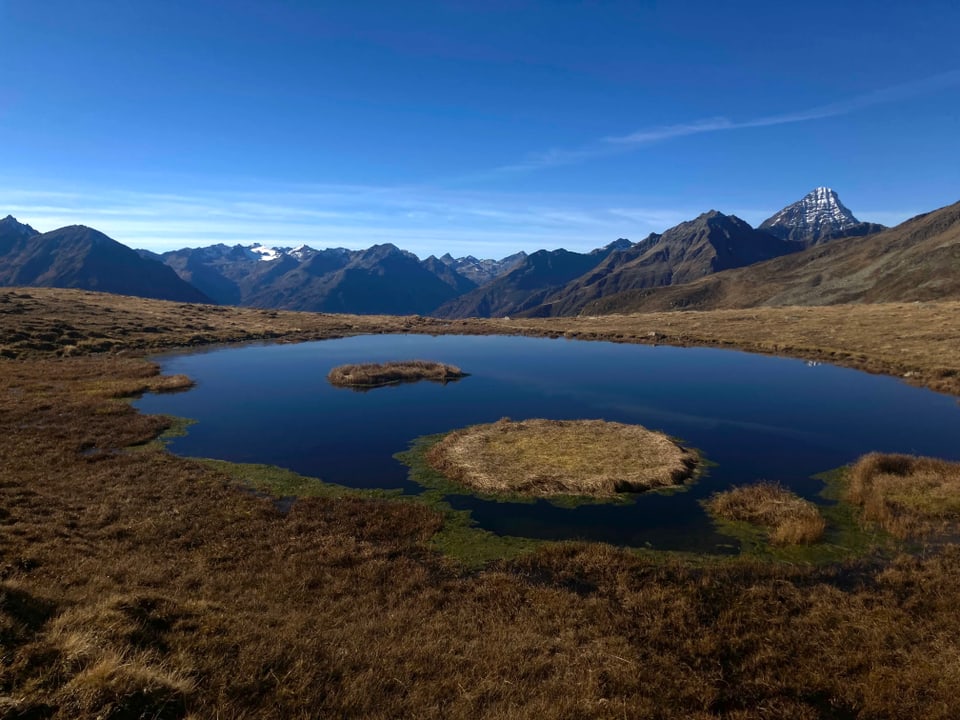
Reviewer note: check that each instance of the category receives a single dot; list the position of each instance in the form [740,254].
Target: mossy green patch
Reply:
[281,482]
[845,537]
[177,428]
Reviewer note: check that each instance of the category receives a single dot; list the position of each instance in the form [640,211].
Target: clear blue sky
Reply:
[480,126]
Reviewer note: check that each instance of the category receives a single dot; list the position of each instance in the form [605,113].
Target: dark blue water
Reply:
[756,417]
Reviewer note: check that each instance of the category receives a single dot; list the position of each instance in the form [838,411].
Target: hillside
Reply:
[918,260]
[708,244]
[80,257]
[527,285]
[381,279]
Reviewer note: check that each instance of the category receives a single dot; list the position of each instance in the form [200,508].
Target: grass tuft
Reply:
[372,375]
[791,519]
[905,495]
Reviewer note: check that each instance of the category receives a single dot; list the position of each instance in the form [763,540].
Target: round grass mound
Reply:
[790,519]
[561,457]
[372,375]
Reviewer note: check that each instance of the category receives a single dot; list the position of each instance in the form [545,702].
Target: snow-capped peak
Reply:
[266,253]
[818,210]
[301,252]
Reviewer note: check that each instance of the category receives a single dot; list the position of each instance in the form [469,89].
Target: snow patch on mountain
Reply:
[818,210]
[817,217]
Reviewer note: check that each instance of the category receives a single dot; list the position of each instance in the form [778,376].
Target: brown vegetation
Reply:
[916,341]
[561,457]
[144,585]
[370,375]
[907,496]
[791,519]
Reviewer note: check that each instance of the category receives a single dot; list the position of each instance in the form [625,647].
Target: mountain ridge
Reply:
[387,279]
[917,260]
[80,257]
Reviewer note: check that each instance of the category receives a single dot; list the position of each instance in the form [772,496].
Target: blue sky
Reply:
[471,127]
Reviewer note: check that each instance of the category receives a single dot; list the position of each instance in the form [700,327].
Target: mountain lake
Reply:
[753,417]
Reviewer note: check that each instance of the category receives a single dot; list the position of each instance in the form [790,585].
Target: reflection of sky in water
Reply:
[757,417]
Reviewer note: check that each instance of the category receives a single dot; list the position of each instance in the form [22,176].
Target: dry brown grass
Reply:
[370,375]
[791,519]
[907,496]
[916,341]
[569,457]
[125,570]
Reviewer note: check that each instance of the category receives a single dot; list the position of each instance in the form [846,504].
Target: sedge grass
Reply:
[907,496]
[372,375]
[790,519]
[561,457]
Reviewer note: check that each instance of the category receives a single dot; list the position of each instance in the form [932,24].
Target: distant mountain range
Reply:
[814,251]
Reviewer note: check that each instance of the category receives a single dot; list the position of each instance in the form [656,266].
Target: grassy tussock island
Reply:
[791,519]
[561,457]
[905,495]
[371,375]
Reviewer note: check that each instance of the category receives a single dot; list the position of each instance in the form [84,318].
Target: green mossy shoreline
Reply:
[461,540]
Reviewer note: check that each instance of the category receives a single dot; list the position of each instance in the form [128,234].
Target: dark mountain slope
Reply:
[80,257]
[382,279]
[711,243]
[482,271]
[460,283]
[230,274]
[916,261]
[526,286]
[13,232]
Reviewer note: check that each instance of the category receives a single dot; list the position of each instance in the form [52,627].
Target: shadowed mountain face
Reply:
[527,285]
[916,261]
[816,218]
[481,272]
[80,257]
[231,275]
[13,232]
[380,280]
[460,283]
[689,251]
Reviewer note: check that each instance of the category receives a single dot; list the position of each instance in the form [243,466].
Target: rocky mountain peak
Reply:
[13,227]
[817,215]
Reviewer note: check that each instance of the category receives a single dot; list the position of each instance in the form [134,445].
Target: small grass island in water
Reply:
[789,518]
[372,375]
[561,457]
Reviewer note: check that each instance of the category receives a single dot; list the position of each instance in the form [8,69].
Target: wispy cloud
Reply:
[425,220]
[614,145]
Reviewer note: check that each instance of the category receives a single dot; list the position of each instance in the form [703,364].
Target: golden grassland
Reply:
[371,375]
[561,457]
[907,496]
[140,584]
[791,519]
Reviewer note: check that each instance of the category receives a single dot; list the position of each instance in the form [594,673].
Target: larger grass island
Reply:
[561,457]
